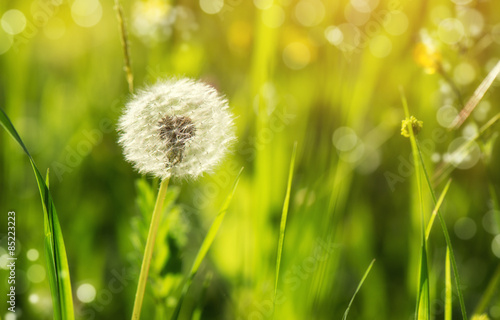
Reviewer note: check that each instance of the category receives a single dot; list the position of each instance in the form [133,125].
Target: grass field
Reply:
[332,198]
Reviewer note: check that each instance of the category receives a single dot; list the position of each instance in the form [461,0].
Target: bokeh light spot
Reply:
[36,273]
[296,55]
[211,6]
[32,254]
[344,139]
[309,13]
[397,23]
[445,116]
[86,13]
[464,154]
[86,293]
[461,2]
[380,46]
[13,21]
[451,31]
[262,4]
[472,21]
[354,155]
[465,228]
[34,298]
[365,6]
[469,131]
[273,17]
[334,35]
[4,261]
[10,316]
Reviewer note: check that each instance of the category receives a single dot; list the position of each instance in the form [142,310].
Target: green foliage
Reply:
[57,261]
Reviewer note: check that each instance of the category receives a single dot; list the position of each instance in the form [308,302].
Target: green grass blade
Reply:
[448,302]
[493,285]
[436,208]
[423,296]
[357,289]
[57,263]
[205,246]
[447,238]
[489,293]
[284,215]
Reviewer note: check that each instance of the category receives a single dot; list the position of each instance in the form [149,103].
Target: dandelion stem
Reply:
[125,45]
[148,253]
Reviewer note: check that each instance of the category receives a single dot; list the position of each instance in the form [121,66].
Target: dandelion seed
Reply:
[415,125]
[177,127]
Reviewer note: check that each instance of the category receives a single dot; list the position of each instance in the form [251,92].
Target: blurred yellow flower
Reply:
[427,57]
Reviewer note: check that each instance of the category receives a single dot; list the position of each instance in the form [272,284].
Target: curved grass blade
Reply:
[207,242]
[284,215]
[476,97]
[489,293]
[57,262]
[357,289]
[447,238]
[436,208]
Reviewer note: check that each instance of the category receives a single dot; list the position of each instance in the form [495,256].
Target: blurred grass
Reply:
[65,94]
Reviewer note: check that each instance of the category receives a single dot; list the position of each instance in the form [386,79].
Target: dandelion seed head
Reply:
[177,127]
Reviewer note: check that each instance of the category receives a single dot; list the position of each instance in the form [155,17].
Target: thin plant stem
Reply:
[148,253]
[125,46]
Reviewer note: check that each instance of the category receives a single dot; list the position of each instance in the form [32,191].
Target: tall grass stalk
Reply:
[346,313]
[284,215]
[148,252]
[423,296]
[125,45]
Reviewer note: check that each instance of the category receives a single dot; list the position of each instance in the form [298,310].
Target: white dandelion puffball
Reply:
[177,127]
